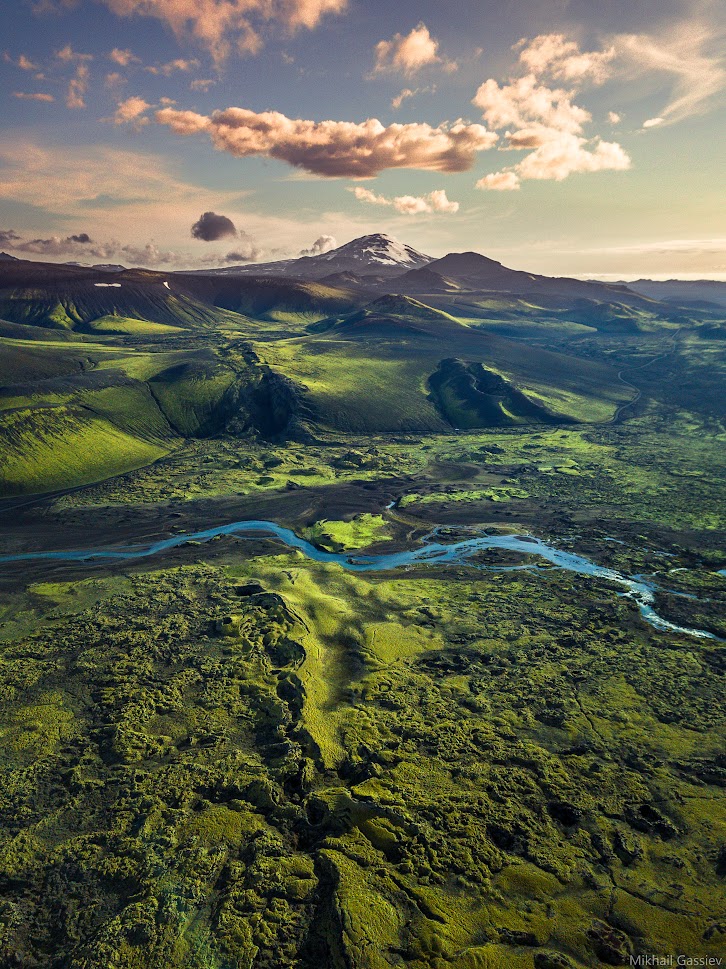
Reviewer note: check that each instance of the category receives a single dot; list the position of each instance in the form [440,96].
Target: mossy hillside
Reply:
[77,303]
[47,449]
[520,771]
[360,532]
[353,389]
[285,300]
[383,383]
[191,396]
[127,326]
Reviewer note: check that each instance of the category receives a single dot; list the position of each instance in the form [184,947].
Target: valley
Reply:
[355,747]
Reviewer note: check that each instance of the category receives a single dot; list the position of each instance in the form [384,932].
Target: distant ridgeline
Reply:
[105,369]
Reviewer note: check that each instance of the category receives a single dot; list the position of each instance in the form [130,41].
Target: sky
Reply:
[567,137]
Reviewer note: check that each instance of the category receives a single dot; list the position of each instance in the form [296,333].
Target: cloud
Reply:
[178,64]
[131,111]
[652,122]
[407,93]
[146,255]
[77,87]
[248,252]
[545,121]
[409,53]
[23,62]
[81,246]
[114,79]
[500,182]
[202,84]
[71,56]
[335,149]
[36,96]
[93,177]
[697,75]
[614,117]
[123,57]
[525,101]
[210,227]
[558,57]
[53,246]
[409,204]
[561,154]
[322,244]
[218,25]
[557,155]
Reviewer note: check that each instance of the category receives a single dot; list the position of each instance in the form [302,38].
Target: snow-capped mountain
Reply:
[372,253]
[377,255]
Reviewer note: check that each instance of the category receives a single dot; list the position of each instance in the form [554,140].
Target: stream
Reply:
[433,550]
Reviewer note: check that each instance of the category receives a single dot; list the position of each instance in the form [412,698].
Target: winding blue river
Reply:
[431,550]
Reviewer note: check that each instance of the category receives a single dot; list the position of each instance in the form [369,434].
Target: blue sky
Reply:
[574,137]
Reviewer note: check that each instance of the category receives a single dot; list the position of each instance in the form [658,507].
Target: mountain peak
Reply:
[376,250]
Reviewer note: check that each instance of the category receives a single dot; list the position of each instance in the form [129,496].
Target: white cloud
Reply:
[500,182]
[556,155]
[436,201]
[614,117]
[545,121]
[557,56]
[652,122]
[409,53]
[322,244]
[684,54]
[524,101]
[408,92]
[336,148]
[565,154]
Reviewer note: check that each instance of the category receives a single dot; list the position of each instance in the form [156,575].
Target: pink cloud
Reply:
[525,101]
[409,53]
[37,96]
[219,25]
[178,64]
[123,57]
[555,55]
[77,87]
[336,149]
[71,56]
[499,182]
[131,111]
[436,201]
[555,156]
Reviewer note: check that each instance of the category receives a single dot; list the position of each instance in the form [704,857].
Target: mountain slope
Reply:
[471,271]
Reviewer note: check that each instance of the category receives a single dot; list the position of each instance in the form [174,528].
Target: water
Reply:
[432,550]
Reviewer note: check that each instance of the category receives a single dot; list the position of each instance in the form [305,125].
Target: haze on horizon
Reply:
[563,138]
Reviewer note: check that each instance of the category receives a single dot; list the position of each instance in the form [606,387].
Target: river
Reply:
[431,549]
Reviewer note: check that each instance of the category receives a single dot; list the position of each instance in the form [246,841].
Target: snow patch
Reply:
[167,285]
[108,285]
